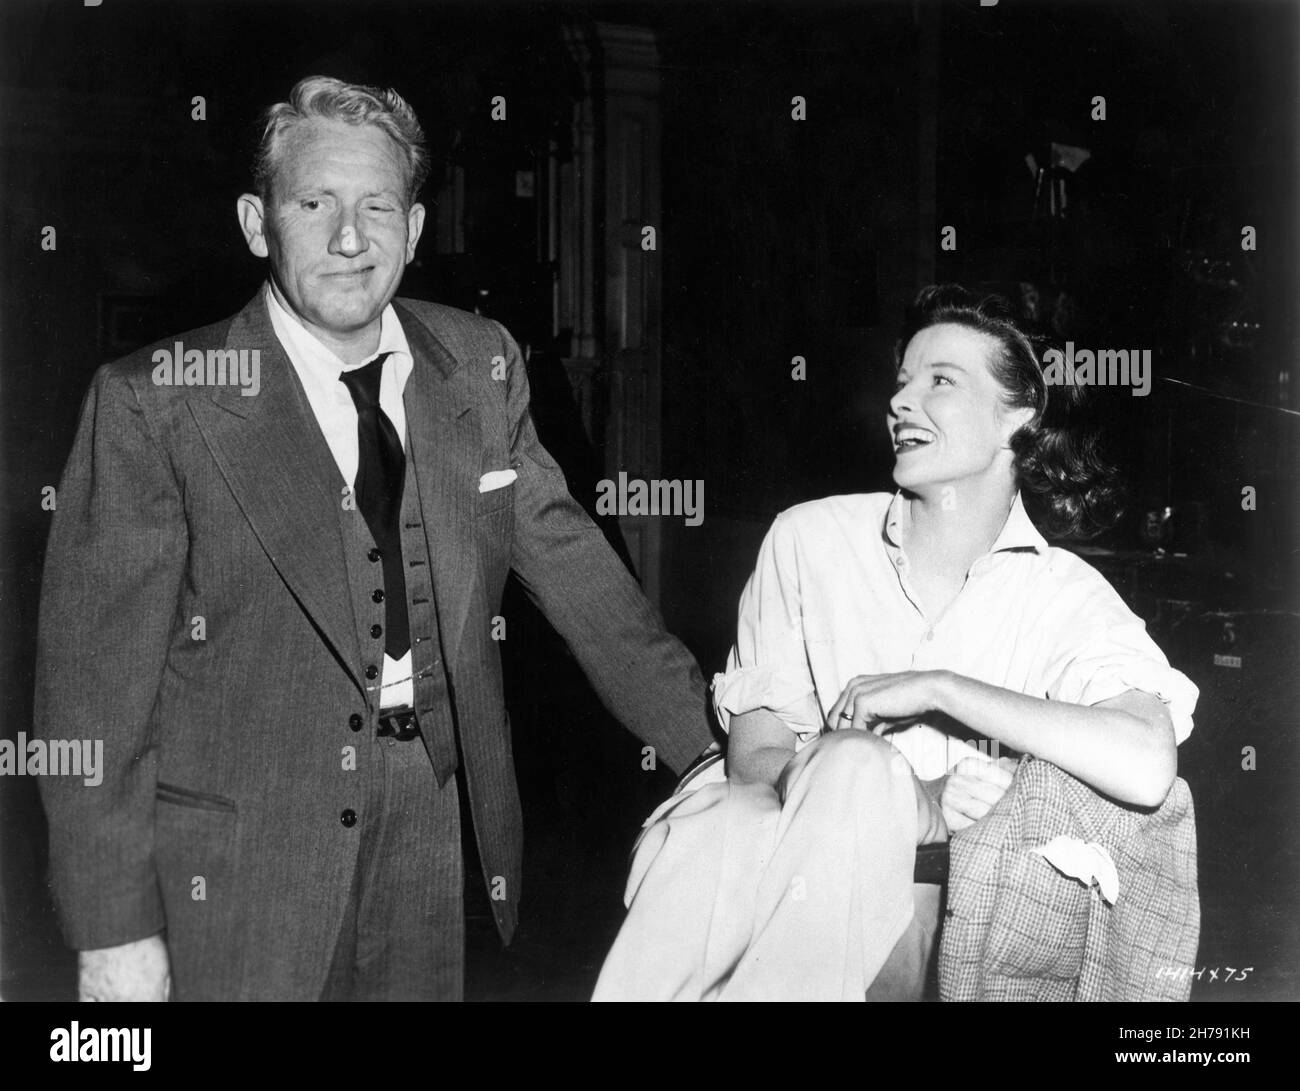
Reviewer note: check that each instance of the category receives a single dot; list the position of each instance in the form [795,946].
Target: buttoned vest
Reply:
[366,583]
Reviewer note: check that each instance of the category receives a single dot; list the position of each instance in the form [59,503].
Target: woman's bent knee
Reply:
[863,747]
[860,754]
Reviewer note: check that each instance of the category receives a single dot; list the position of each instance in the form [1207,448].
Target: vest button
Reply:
[376,631]
[372,671]
[348,818]
[374,554]
[377,595]
[355,722]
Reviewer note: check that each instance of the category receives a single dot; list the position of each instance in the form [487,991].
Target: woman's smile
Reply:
[911,437]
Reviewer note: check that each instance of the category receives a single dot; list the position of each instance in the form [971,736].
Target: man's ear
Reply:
[252,221]
[414,226]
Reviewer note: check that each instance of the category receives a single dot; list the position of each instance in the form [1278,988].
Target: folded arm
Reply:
[759,747]
[1123,747]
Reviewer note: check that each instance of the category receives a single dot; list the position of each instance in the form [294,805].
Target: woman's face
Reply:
[947,419]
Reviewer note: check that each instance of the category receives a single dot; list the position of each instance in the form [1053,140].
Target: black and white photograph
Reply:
[688,501]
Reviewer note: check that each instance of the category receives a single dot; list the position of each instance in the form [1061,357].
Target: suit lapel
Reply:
[274,457]
[445,441]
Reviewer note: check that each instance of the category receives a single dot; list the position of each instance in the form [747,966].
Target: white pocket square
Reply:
[496,479]
[1089,863]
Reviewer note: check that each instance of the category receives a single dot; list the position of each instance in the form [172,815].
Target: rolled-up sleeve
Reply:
[768,664]
[1102,649]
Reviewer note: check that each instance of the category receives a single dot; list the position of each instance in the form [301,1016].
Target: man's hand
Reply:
[133,971]
[969,792]
[881,701]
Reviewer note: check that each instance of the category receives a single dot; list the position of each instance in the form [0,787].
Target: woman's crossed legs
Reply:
[736,894]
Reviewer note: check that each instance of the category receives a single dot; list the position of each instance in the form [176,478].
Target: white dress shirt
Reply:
[830,598]
[318,370]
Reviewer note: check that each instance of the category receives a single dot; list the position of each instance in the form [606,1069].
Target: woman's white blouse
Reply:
[830,599]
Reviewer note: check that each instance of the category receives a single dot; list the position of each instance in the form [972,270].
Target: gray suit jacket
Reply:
[222,755]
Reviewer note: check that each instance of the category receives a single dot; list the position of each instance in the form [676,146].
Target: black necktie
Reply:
[381,467]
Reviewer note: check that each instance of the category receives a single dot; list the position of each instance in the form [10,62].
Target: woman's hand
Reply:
[881,701]
[970,791]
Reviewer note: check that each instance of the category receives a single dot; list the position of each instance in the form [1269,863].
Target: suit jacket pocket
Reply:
[1040,928]
[496,499]
[206,901]
[200,801]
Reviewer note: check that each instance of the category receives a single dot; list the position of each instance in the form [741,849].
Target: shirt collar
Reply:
[306,351]
[1018,532]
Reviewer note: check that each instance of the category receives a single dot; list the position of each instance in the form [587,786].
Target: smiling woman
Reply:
[1069,489]
[880,639]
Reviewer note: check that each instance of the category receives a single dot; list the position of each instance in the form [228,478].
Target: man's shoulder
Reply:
[138,368]
[457,329]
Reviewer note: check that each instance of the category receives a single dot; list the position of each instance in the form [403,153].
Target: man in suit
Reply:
[270,590]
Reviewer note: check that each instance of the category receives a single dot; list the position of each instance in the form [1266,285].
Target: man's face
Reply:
[335,225]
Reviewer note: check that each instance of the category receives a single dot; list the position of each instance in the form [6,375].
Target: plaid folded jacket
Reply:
[1017,929]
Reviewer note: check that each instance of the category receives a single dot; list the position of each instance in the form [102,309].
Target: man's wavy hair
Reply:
[1069,488]
[333,100]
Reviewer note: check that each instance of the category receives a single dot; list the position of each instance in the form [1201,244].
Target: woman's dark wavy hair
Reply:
[1069,488]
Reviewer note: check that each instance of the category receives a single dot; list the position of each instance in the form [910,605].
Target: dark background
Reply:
[777,239]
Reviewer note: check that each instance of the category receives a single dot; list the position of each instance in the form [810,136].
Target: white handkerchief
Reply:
[496,479]
[1088,863]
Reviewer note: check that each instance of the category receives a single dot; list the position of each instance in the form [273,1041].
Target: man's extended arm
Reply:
[644,676]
